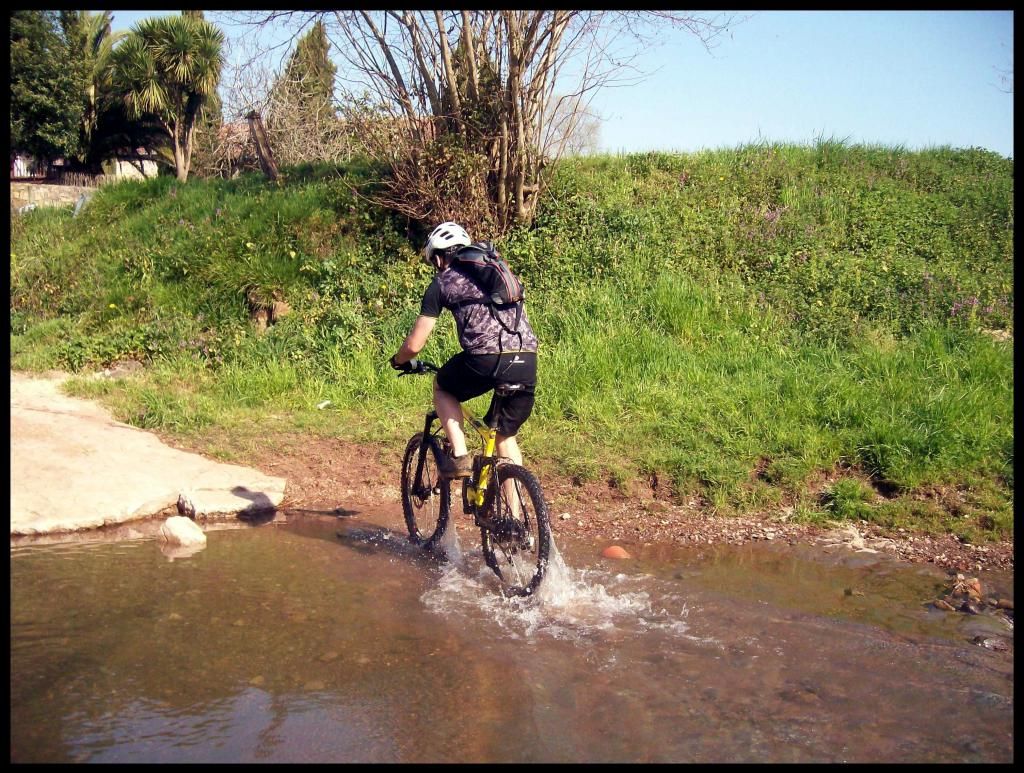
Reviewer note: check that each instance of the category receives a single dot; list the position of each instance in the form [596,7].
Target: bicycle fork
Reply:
[421,458]
[476,485]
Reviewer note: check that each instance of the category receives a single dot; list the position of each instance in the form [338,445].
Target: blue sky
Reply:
[912,78]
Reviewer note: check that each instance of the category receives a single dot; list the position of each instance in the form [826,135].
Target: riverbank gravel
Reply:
[327,473]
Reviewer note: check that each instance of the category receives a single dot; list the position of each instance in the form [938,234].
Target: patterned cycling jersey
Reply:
[482,328]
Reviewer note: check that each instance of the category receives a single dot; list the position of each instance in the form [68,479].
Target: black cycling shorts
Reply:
[466,376]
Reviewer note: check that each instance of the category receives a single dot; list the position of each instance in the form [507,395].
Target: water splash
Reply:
[449,546]
[570,603]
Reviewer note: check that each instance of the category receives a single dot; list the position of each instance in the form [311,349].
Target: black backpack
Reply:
[489,271]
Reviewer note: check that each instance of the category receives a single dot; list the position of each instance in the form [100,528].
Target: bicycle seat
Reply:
[508,389]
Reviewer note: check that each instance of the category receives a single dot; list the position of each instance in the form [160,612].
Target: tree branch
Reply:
[449,71]
[469,43]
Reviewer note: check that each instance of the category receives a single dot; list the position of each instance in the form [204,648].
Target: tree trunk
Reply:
[190,134]
[518,150]
[179,157]
[473,85]
[425,73]
[449,71]
[502,196]
[259,137]
[402,91]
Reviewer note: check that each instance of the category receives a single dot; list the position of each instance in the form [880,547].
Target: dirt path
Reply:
[330,474]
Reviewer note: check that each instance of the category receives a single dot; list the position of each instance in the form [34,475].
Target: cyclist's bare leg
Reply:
[449,411]
[508,447]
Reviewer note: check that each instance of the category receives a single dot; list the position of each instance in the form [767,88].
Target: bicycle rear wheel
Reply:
[426,499]
[517,536]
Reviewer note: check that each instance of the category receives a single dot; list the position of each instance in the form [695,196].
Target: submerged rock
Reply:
[179,530]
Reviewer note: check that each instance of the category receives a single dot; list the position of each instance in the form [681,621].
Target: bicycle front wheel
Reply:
[426,499]
[516,535]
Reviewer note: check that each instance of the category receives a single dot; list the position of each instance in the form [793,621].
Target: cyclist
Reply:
[498,347]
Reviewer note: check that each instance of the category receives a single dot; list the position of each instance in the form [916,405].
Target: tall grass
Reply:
[747,325]
[679,377]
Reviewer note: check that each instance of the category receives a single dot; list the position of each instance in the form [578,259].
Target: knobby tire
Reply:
[520,558]
[426,511]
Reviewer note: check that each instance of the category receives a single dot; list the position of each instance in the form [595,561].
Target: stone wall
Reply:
[43,195]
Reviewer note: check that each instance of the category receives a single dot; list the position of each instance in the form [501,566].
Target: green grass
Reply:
[737,323]
[676,381]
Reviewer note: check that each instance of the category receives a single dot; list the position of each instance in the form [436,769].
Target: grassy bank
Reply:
[769,326]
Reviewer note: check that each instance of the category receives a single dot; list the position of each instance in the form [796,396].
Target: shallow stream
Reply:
[315,638]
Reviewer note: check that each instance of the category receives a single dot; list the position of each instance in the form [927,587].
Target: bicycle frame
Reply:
[515,530]
[488,437]
[474,490]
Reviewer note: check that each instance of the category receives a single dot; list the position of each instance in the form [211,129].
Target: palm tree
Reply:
[92,33]
[99,45]
[100,42]
[170,66]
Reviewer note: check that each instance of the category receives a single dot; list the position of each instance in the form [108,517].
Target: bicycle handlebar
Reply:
[418,367]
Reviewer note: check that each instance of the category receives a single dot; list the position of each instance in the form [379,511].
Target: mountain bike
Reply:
[504,499]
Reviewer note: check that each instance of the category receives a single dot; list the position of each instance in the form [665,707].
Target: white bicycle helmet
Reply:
[444,236]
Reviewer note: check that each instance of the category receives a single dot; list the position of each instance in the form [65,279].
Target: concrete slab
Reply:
[73,467]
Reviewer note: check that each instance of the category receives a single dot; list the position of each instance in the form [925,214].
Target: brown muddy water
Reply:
[323,639]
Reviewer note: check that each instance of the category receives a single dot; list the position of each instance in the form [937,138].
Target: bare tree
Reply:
[224,150]
[297,128]
[302,124]
[463,104]
[227,149]
[575,129]
[303,130]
